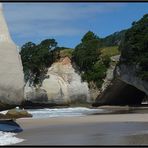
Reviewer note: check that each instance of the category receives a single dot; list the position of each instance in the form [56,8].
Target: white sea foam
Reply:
[63,112]
[8,138]
[4,112]
[142,132]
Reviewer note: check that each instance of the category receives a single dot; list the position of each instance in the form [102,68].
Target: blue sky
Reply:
[68,22]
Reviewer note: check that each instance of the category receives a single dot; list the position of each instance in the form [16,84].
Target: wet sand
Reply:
[113,129]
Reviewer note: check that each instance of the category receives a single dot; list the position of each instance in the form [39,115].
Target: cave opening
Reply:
[120,93]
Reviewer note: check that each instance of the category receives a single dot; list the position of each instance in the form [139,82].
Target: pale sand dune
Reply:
[86,130]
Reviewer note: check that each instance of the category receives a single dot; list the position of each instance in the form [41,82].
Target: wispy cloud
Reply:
[26,20]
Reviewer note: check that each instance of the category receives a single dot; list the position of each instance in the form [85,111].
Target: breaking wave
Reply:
[63,112]
[8,138]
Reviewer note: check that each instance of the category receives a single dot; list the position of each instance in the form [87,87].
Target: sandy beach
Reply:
[112,129]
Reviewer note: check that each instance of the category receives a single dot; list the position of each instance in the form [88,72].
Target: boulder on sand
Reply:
[17,113]
[2,116]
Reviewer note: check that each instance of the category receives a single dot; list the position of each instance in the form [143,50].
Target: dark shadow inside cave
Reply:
[120,93]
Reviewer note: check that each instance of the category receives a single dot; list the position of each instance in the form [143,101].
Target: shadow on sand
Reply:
[10,126]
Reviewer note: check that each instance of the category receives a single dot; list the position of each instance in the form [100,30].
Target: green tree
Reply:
[87,57]
[36,59]
[134,47]
[86,53]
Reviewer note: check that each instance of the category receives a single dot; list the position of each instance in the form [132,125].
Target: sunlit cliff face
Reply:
[11,70]
[4,32]
[64,84]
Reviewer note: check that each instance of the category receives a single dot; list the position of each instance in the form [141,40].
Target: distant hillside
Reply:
[114,39]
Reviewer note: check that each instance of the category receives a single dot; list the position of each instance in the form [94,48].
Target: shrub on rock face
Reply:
[134,48]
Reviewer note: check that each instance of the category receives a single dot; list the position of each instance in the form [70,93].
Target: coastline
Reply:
[112,129]
[137,117]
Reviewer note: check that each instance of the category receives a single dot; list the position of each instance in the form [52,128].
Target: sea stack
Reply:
[64,85]
[11,70]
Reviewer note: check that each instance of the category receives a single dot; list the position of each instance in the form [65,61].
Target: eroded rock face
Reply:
[11,75]
[94,91]
[127,73]
[110,72]
[121,87]
[35,94]
[64,84]
[11,70]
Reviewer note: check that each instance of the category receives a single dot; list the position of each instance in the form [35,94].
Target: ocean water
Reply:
[64,112]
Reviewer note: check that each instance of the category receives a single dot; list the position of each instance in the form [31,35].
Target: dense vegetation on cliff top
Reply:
[134,47]
[36,58]
[91,55]
[89,59]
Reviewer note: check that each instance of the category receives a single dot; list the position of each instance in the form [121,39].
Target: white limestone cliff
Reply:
[11,70]
[62,85]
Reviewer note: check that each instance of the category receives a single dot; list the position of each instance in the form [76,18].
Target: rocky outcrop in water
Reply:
[62,85]
[11,70]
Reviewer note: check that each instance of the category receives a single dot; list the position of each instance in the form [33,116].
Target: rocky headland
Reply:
[129,85]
